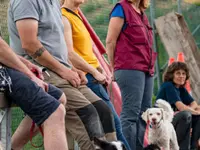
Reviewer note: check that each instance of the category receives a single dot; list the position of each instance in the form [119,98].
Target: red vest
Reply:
[134,44]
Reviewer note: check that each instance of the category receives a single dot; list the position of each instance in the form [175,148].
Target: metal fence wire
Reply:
[97,13]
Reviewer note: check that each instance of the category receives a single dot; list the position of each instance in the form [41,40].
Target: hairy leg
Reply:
[22,133]
[54,131]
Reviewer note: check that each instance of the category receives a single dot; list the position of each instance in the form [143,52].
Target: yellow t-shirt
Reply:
[82,41]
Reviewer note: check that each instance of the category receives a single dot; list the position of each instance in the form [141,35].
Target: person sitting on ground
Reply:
[37,33]
[188,116]
[28,92]
[81,54]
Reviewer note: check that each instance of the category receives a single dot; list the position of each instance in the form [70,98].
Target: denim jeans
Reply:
[136,90]
[100,91]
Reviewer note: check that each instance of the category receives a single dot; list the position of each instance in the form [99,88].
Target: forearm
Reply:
[187,108]
[194,105]
[25,61]
[110,48]
[80,63]
[43,57]
[10,59]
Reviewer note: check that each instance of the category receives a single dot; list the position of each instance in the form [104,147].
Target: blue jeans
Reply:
[100,91]
[136,90]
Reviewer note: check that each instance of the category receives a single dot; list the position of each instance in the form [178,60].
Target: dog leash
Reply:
[31,135]
[111,92]
[147,133]
[33,123]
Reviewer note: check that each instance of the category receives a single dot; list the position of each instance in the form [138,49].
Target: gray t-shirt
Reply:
[50,26]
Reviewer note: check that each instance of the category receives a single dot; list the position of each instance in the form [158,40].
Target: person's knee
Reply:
[58,115]
[105,115]
[61,111]
[91,121]
[102,108]
[87,112]
[186,116]
[63,99]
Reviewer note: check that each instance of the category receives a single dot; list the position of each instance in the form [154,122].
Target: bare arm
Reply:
[114,30]
[34,68]
[77,60]
[26,62]
[181,107]
[35,49]
[33,46]
[10,59]
[194,105]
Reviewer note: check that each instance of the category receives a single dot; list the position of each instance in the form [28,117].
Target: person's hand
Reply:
[196,113]
[108,78]
[198,109]
[72,77]
[40,83]
[112,73]
[99,77]
[36,70]
[82,76]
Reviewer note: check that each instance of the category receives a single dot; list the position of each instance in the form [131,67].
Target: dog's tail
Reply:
[167,108]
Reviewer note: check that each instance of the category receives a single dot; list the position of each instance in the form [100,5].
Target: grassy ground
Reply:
[17,116]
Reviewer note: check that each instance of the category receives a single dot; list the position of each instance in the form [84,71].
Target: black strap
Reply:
[70,11]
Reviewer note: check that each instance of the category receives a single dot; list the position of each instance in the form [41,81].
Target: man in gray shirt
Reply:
[28,92]
[36,32]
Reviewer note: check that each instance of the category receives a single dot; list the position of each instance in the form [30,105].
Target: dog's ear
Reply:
[123,147]
[145,115]
[164,115]
[100,143]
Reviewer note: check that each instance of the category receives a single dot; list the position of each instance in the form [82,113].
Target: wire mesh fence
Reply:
[97,13]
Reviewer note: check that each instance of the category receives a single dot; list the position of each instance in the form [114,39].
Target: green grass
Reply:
[17,116]
[91,6]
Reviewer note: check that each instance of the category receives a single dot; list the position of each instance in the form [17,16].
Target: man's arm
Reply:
[34,68]
[28,30]
[10,59]
[35,49]
[77,60]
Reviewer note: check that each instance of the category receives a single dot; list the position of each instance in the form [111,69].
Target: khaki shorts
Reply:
[76,97]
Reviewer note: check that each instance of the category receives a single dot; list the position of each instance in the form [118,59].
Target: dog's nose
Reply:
[154,119]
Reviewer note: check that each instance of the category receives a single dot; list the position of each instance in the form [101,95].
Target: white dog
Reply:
[161,130]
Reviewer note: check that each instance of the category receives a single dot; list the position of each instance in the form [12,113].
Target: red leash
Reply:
[33,123]
[31,135]
[146,142]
